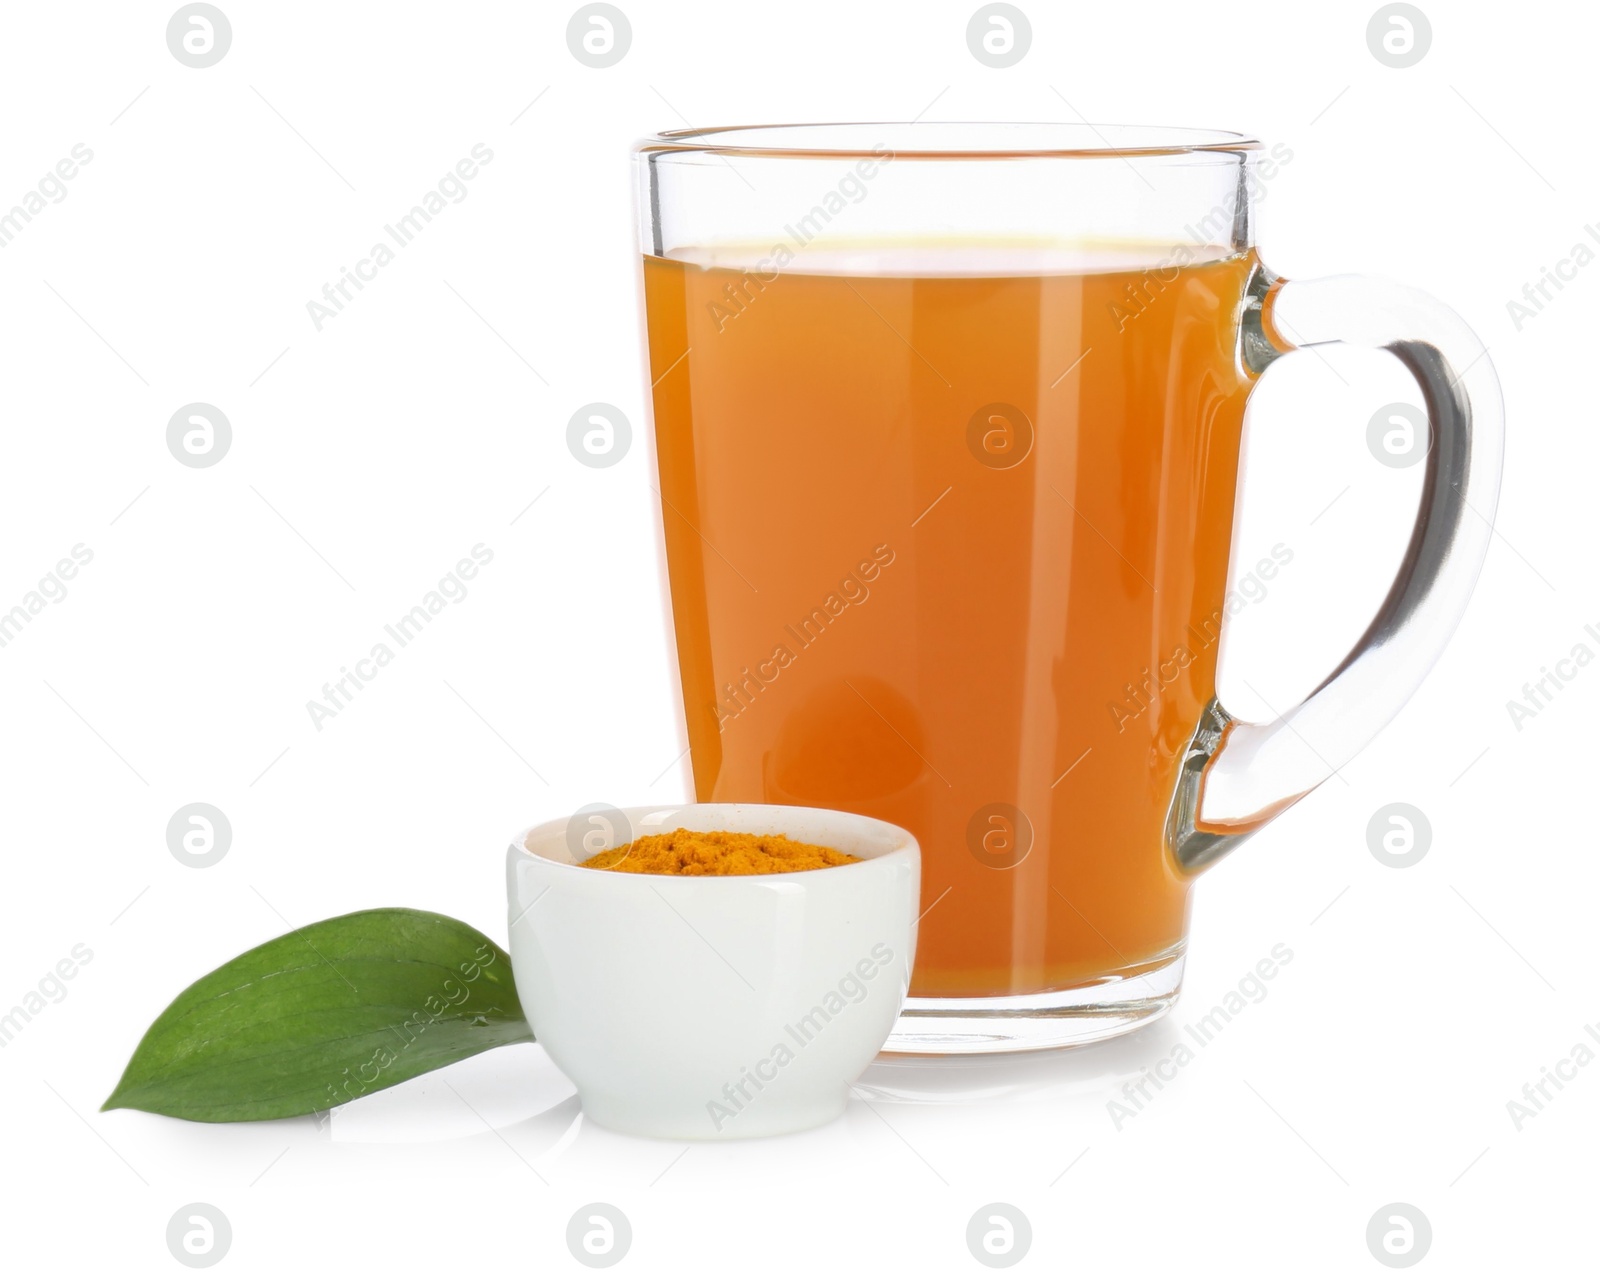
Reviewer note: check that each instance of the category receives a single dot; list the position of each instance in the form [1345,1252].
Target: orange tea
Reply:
[950,549]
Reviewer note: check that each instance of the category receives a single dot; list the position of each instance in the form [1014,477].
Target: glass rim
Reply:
[905,139]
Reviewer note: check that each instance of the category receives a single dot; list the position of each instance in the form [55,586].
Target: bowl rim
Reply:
[951,140]
[908,845]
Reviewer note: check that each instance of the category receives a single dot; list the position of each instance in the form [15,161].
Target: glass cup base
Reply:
[1037,1022]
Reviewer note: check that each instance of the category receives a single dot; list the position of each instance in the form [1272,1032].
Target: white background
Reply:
[370,456]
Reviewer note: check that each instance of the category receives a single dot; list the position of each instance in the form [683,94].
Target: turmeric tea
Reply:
[716,852]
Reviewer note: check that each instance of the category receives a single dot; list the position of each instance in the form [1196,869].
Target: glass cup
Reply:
[947,428]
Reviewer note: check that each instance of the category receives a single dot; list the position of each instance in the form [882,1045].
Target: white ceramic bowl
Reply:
[712,1007]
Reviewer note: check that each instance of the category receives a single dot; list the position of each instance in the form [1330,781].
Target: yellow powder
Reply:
[716,852]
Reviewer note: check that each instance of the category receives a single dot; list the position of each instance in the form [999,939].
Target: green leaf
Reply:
[322,1015]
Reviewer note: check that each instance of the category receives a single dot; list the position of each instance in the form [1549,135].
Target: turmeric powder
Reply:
[716,852]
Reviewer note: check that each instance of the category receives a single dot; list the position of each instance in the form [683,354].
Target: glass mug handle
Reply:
[1235,777]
